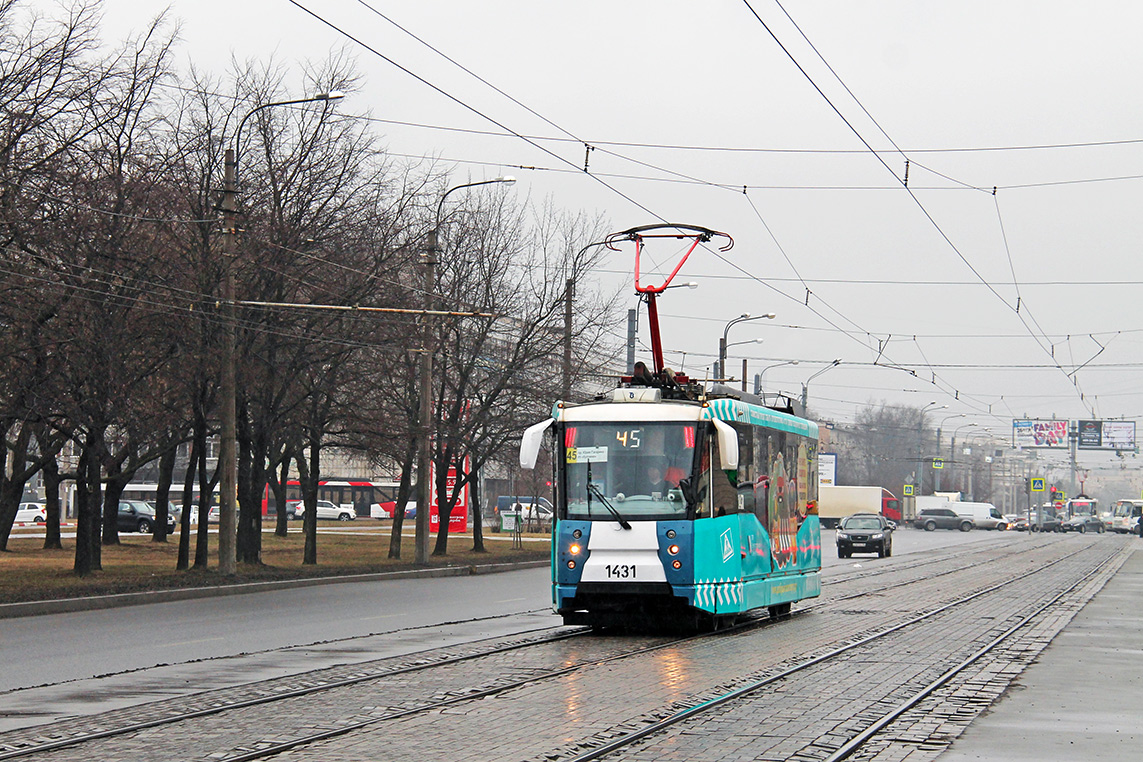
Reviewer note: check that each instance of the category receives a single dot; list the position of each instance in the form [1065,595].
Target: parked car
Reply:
[29,513]
[865,533]
[326,510]
[1050,521]
[1083,523]
[512,503]
[138,516]
[411,510]
[930,519]
[535,514]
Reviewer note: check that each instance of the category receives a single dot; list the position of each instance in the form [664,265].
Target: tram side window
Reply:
[763,445]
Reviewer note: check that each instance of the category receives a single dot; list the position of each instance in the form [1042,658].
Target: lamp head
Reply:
[332,95]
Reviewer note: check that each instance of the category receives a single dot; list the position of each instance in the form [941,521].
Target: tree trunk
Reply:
[475,508]
[252,486]
[282,518]
[83,562]
[163,493]
[402,498]
[52,540]
[205,494]
[183,562]
[308,480]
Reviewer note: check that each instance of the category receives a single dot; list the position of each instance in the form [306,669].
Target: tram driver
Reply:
[661,479]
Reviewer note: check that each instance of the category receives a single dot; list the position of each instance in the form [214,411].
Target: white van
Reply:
[984,515]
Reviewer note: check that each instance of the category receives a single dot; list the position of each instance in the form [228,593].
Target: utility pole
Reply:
[424,447]
[569,296]
[227,460]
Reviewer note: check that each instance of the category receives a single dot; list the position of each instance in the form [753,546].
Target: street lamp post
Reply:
[952,442]
[806,385]
[735,344]
[920,471]
[760,377]
[937,471]
[228,450]
[424,451]
[721,370]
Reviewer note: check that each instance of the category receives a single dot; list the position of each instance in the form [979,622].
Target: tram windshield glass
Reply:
[629,469]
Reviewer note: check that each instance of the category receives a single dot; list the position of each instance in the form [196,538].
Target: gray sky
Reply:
[931,278]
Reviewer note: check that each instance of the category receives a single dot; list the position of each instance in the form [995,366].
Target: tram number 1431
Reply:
[620,571]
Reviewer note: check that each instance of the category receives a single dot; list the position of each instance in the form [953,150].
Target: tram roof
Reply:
[723,408]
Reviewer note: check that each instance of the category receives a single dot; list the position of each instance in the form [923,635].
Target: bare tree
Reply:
[498,371]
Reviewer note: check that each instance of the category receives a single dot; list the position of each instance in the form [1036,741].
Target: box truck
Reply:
[836,502]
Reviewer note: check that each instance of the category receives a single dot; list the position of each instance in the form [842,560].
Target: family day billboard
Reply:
[1052,435]
[1090,435]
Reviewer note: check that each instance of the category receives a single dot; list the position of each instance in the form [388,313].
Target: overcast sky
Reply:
[1022,124]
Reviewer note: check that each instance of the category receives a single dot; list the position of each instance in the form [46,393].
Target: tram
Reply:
[679,503]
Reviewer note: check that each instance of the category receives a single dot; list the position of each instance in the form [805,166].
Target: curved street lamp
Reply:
[759,377]
[806,385]
[424,454]
[227,449]
[937,474]
[721,370]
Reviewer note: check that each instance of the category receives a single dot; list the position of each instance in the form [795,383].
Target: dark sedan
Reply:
[865,533]
[138,516]
[1083,523]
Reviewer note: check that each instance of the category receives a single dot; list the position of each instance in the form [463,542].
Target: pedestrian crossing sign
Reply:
[908,490]
[1038,485]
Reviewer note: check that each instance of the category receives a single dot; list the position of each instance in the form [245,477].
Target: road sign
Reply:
[938,463]
[1037,485]
[908,490]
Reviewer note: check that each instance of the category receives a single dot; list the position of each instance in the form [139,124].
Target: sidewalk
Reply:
[1080,700]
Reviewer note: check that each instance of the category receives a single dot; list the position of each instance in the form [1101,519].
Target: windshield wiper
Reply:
[622,521]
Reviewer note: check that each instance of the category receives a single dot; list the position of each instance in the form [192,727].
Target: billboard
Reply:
[1106,435]
[827,469]
[1051,435]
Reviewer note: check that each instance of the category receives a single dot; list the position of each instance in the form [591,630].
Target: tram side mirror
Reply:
[530,443]
[727,444]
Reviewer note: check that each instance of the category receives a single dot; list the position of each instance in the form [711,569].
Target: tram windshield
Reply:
[627,471]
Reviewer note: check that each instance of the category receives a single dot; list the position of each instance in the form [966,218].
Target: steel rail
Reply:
[747,624]
[697,709]
[880,724]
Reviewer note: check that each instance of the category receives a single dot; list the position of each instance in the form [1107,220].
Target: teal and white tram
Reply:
[676,503]
[680,511]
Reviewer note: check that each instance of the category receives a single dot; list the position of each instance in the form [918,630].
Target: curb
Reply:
[94,602]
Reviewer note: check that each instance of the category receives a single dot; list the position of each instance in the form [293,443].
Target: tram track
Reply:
[872,730]
[385,670]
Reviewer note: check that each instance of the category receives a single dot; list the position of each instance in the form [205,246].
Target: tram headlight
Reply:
[577,534]
[673,550]
[670,534]
[574,548]
[677,564]
[571,564]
